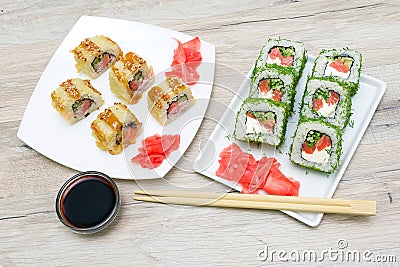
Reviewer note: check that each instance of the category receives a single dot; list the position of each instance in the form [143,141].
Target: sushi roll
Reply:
[316,145]
[115,128]
[262,121]
[285,53]
[130,77]
[95,55]
[343,65]
[75,99]
[327,100]
[168,100]
[274,84]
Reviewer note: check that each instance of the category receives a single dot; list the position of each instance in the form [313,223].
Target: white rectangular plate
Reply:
[313,183]
[43,129]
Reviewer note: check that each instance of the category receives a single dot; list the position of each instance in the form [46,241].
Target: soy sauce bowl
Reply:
[88,202]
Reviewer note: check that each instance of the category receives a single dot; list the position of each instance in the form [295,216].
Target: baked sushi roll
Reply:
[95,55]
[316,145]
[327,100]
[115,128]
[274,84]
[75,99]
[262,121]
[130,77]
[170,99]
[343,65]
[285,53]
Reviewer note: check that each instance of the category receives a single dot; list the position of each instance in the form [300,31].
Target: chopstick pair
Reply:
[263,202]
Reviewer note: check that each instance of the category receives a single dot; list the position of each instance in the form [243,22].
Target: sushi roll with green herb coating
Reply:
[343,65]
[276,84]
[326,99]
[284,53]
[262,121]
[316,145]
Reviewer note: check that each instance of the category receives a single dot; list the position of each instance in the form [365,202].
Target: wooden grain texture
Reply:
[146,234]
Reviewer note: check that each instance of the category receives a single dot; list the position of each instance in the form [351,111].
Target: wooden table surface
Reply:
[153,234]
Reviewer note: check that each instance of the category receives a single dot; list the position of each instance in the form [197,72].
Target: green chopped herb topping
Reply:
[287,51]
[313,137]
[276,84]
[321,94]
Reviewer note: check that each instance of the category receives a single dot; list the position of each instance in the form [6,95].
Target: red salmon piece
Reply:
[248,114]
[269,124]
[287,61]
[104,62]
[339,66]
[323,142]
[173,107]
[333,98]
[263,86]
[317,103]
[129,133]
[277,95]
[307,149]
[275,53]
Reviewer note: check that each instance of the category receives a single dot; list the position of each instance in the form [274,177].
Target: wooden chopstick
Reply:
[266,202]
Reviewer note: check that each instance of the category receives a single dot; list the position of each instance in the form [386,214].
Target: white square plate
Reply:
[43,129]
[313,183]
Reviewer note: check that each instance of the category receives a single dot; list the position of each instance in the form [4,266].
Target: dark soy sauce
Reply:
[88,201]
